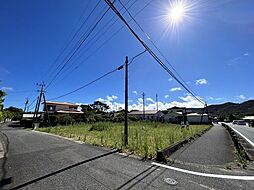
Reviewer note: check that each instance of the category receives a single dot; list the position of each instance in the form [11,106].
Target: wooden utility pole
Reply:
[144,112]
[26,105]
[126,104]
[157,107]
[201,120]
[37,107]
[184,111]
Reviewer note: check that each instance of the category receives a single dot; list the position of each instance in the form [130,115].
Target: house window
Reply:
[51,108]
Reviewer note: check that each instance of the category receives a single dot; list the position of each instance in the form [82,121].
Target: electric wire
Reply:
[49,72]
[99,78]
[156,47]
[103,31]
[78,47]
[156,58]
[107,40]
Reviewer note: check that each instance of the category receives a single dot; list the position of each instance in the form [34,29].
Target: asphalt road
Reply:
[247,132]
[34,160]
[215,147]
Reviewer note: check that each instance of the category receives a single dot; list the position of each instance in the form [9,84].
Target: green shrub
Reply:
[99,126]
[64,119]
[27,123]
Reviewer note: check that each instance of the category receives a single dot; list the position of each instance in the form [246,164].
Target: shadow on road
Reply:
[63,169]
[3,180]
[138,180]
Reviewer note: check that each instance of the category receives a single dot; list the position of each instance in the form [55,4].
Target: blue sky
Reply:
[212,49]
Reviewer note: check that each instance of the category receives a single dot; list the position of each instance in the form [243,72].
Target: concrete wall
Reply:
[197,119]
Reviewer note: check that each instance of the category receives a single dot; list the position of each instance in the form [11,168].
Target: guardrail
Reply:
[240,143]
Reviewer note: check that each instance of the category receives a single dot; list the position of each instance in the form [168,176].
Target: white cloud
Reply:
[246,54]
[135,92]
[101,99]
[5,88]
[238,59]
[3,70]
[175,89]
[111,98]
[185,101]
[201,81]
[216,99]
[150,100]
[166,96]
[170,79]
[242,97]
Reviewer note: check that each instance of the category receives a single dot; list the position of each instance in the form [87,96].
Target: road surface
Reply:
[246,132]
[34,160]
[215,147]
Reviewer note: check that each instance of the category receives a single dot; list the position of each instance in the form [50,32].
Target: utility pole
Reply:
[126,104]
[26,105]
[201,121]
[157,107]
[144,113]
[184,111]
[37,107]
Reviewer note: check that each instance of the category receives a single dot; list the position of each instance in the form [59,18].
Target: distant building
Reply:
[249,120]
[152,115]
[29,115]
[196,118]
[173,117]
[61,108]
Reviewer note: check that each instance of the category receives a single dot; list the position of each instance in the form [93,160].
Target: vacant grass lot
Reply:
[145,138]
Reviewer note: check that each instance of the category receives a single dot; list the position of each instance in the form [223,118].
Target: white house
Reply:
[147,115]
[173,117]
[196,118]
[249,120]
[62,108]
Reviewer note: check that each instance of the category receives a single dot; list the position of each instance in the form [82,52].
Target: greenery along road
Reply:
[145,138]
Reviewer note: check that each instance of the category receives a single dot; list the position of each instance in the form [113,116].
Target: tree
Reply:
[99,107]
[13,113]
[2,94]
[231,117]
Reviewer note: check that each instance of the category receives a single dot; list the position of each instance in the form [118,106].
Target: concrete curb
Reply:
[240,143]
[164,153]
[1,150]
[58,136]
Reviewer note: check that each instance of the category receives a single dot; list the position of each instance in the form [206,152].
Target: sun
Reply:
[177,12]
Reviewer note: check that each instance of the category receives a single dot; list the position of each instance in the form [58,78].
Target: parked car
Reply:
[239,122]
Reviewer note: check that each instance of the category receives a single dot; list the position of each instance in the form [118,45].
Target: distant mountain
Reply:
[237,109]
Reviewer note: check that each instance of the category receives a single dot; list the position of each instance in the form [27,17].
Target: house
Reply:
[249,120]
[29,115]
[147,115]
[173,117]
[61,108]
[176,109]
[196,118]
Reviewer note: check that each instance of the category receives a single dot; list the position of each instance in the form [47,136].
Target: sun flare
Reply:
[177,12]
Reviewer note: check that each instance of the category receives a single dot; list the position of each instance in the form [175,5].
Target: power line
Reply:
[105,28]
[78,47]
[157,59]
[103,31]
[108,39]
[156,47]
[99,78]
[71,38]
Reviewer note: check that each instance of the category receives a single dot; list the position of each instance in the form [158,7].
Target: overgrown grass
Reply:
[145,138]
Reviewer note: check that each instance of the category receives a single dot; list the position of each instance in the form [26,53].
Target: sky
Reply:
[211,47]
